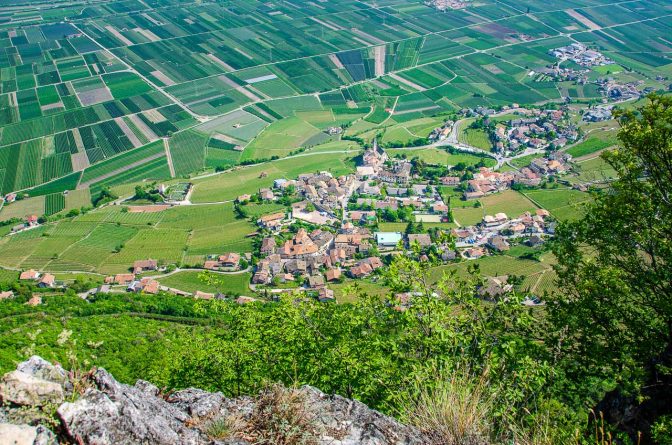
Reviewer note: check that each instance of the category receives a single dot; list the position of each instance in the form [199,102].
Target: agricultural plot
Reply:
[22,209]
[226,284]
[229,185]
[510,202]
[439,156]
[281,137]
[594,170]
[594,143]
[563,204]
[75,93]
[188,151]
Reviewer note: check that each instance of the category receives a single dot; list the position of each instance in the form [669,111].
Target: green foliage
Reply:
[612,322]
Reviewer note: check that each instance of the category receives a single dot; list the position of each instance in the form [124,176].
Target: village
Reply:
[535,129]
[329,231]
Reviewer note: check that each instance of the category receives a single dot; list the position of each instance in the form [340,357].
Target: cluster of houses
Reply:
[581,55]
[486,182]
[343,245]
[615,91]
[316,257]
[44,281]
[494,233]
[132,282]
[538,129]
[443,5]
[30,222]
[597,114]
[442,132]
[560,74]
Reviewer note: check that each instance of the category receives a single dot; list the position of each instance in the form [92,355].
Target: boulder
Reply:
[42,369]
[25,435]
[114,413]
[109,412]
[24,389]
[350,422]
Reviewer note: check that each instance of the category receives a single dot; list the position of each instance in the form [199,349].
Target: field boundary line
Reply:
[87,184]
[169,157]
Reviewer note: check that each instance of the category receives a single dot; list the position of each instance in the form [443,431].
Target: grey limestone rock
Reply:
[109,412]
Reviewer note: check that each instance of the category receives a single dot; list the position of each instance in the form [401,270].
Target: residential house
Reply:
[35,300]
[360,270]
[261,277]
[498,243]
[123,279]
[230,260]
[440,208]
[29,275]
[325,295]
[535,240]
[333,274]
[145,265]
[272,221]
[450,181]
[494,287]
[267,246]
[474,253]
[266,194]
[146,285]
[204,295]
[315,281]
[245,300]
[6,295]
[388,239]
[423,240]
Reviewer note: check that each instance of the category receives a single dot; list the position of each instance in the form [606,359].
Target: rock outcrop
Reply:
[103,411]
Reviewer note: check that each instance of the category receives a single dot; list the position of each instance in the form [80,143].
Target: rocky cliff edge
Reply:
[43,404]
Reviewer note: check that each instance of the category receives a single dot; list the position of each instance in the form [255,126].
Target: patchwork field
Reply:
[109,239]
[114,78]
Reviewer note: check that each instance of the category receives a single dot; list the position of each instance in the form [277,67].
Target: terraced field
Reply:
[75,93]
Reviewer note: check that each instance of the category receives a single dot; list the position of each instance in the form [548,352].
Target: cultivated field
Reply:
[510,202]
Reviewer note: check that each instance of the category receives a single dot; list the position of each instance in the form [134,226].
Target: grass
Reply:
[231,184]
[473,136]
[455,409]
[347,292]
[281,416]
[496,265]
[192,281]
[23,208]
[592,170]
[563,204]
[438,156]
[510,202]
[524,161]
[591,145]
[280,138]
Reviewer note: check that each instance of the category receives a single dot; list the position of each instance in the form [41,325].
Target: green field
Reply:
[108,240]
[510,202]
[229,185]
[442,157]
[228,284]
[593,144]
[562,203]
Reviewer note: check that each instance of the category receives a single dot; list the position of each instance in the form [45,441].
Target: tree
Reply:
[613,321]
